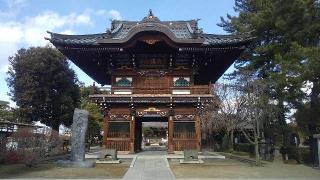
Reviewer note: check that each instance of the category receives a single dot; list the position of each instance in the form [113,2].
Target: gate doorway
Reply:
[151,134]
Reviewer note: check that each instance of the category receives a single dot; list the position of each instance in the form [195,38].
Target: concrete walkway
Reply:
[150,167]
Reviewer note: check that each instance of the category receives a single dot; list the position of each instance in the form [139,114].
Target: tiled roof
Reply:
[90,39]
[181,29]
[121,31]
[214,39]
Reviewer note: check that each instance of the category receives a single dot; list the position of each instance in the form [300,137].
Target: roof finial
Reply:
[150,13]
[150,17]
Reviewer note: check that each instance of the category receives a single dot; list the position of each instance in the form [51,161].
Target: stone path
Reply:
[150,167]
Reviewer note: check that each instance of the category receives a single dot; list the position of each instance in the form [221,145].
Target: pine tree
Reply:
[286,51]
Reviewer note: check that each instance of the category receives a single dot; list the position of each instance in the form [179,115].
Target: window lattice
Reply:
[123,82]
[181,82]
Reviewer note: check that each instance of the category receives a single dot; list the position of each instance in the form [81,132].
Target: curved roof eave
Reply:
[206,40]
[150,27]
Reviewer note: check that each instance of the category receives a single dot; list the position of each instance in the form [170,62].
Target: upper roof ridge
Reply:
[150,17]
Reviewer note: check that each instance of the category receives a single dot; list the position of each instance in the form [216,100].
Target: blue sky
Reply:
[23,23]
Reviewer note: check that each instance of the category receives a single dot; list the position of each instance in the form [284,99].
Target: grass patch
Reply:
[52,171]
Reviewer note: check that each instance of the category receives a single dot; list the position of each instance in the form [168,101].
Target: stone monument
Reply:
[191,157]
[317,136]
[78,133]
[108,156]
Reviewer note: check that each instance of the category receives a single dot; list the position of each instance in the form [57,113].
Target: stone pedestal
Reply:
[317,136]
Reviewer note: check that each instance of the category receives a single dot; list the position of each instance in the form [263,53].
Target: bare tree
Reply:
[208,125]
[223,114]
[255,110]
[242,105]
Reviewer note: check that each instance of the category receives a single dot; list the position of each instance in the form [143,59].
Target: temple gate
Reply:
[158,71]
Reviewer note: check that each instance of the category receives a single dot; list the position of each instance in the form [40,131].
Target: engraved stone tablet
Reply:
[79,128]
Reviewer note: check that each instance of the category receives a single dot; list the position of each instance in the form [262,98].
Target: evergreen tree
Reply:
[286,51]
[43,86]
[6,112]
[95,122]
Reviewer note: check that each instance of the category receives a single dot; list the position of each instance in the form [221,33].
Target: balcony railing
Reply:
[203,89]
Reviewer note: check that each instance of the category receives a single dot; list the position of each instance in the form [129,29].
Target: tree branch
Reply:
[247,136]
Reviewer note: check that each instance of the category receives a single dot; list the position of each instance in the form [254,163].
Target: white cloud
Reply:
[102,12]
[30,31]
[12,8]
[114,14]
[15,3]
[83,19]
[4,69]
[16,33]
[68,31]
[111,14]
[6,50]
[11,32]
[35,27]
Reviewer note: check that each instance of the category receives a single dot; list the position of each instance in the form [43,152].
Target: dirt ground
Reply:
[52,171]
[235,169]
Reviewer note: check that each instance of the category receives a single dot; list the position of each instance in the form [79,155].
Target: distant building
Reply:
[7,130]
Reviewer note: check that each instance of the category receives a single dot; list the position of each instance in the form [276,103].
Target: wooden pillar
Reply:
[132,134]
[198,131]
[170,135]
[106,127]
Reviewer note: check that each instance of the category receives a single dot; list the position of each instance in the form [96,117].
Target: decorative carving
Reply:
[119,117]
[184,117]
[152,73]
[149,113]
[152,111]
[151,41]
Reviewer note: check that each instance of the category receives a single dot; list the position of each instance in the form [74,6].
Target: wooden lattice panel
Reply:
[180,145]
[185,136]
[118,145]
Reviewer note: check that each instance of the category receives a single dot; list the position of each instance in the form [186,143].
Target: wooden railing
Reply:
[180,145]
[118,135]
[186,135]
[184,140]
[201,89]
[151,91]
[118,145]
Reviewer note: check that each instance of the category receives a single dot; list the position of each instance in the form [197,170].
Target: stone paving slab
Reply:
[149,167]
[95,155]
[289,178]
[174,156]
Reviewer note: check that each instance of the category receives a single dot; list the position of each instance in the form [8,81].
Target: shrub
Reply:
[30,147]
[12,157]
[305,155]
[300,154]
[225,145]
[34,147]
[244,147]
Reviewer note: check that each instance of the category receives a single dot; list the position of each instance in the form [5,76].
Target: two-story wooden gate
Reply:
[156,69]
